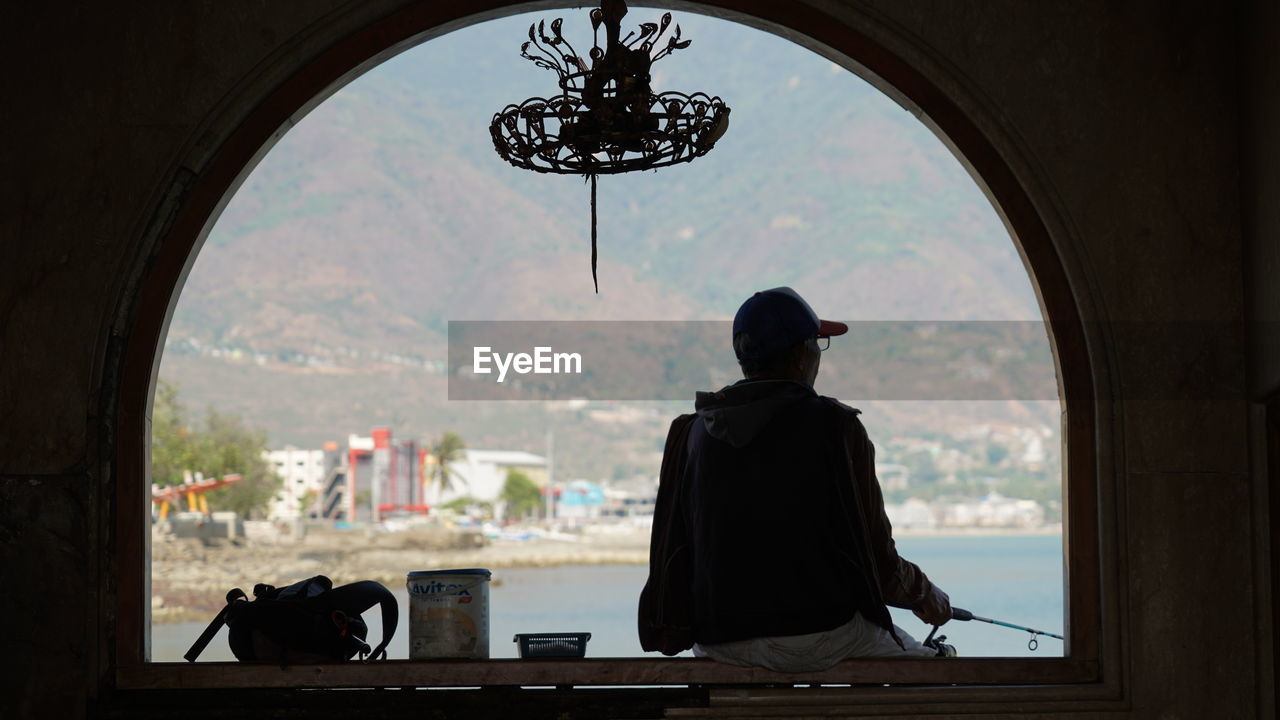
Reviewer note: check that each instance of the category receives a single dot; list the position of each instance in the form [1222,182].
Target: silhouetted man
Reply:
[770,542]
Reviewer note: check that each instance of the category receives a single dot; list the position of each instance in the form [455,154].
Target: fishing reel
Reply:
[940,648]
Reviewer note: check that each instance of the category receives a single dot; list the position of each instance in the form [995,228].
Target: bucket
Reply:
[449,614]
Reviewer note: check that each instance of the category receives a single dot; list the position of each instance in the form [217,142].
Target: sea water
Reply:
[1015,578]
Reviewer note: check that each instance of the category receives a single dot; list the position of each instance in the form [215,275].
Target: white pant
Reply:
[816,651]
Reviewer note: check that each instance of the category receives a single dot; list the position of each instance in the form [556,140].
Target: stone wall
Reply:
[1123,122]
[1261,172]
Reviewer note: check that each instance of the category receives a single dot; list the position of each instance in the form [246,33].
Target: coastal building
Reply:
[893,476]
[302,473]
[632,499]
[1033,452]
[481,474]
[378,478]
[578,501]
[914,514]
[993,511]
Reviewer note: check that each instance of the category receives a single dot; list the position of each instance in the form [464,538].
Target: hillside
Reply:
[319,303]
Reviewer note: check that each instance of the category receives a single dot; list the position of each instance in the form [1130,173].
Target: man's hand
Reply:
[936,608]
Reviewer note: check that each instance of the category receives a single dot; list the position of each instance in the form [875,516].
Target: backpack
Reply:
[307,622]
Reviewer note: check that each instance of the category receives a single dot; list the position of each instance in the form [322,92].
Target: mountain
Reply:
[319,304]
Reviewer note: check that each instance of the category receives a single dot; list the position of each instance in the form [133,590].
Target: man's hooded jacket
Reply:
[769,522]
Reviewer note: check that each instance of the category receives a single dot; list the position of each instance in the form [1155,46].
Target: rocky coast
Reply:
[190,576]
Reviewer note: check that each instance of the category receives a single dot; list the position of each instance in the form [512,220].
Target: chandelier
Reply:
[606,119]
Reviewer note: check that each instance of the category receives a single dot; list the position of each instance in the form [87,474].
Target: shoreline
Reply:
[1042,531]
[190,578]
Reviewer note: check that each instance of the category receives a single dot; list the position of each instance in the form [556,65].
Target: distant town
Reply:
[1001,472]
[965,480]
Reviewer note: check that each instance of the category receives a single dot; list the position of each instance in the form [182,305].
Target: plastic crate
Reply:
[552,645]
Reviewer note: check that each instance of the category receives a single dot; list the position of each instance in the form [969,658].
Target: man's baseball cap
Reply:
[778,319]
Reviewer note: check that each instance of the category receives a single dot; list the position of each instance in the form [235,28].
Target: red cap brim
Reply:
[828,328]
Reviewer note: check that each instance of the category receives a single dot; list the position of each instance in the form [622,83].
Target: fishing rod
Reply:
[965,615]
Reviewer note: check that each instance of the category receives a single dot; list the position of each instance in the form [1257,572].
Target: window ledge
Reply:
[603,671]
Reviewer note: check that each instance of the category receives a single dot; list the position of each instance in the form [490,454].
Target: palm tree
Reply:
[447,451]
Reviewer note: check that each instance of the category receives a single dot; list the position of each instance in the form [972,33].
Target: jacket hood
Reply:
[738,412]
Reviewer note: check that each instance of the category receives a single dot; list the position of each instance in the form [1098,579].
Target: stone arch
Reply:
[246,125]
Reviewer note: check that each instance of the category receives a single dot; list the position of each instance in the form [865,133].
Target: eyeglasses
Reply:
[824,343]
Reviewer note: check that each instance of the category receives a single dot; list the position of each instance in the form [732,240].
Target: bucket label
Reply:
[435,587]
[448,618]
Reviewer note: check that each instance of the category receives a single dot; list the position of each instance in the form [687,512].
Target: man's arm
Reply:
[902,582]
[666,602]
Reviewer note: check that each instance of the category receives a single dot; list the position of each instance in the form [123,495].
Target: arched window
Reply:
[213,187]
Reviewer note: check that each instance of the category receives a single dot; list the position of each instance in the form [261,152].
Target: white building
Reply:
[633,500]
[914,514]
[303,474]
[1033,454]
[579,500]
[480,474]
[994,510]
[893,476]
